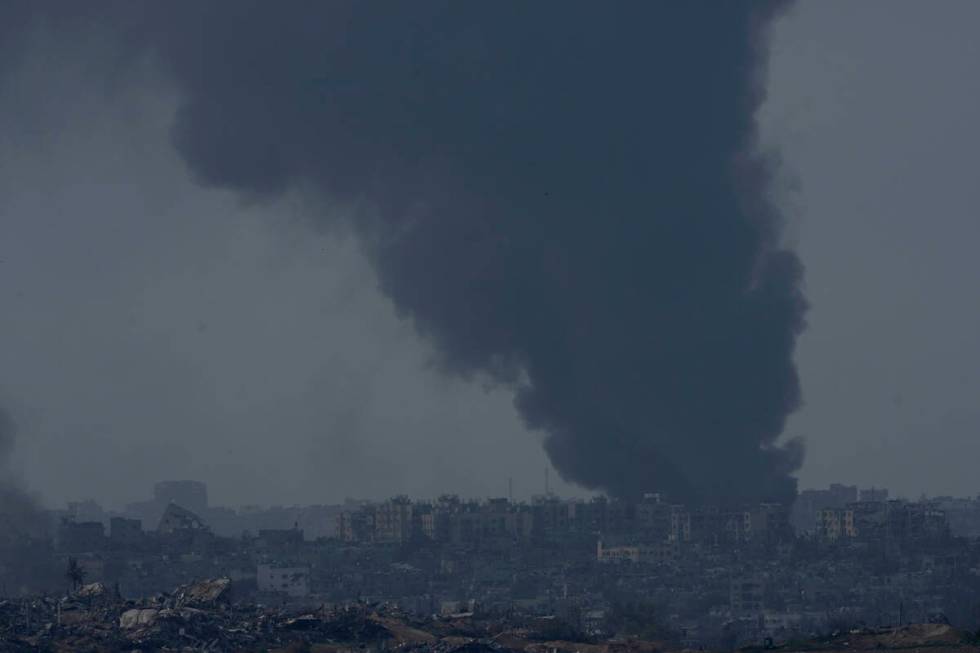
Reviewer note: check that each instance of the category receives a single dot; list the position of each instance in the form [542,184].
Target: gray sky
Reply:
[155,329]
[158,330]
[875,107]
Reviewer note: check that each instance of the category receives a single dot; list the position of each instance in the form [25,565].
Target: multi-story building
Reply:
[81,537]
[809,503]
[713,526]
[356,525]
[124,533]
[884,522]
[653,517]
[834,524]
[393,521]
[551,515]
[747,595]
[878,495]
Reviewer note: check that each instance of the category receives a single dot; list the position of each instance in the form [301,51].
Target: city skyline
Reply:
[426,326]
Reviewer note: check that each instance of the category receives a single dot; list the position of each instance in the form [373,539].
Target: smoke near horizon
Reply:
[23,526]
[564,199]
[18,511]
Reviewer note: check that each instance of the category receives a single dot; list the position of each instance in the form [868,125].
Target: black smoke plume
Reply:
[565,196]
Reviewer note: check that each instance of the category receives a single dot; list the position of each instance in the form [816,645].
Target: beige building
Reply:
[647,553]
[835,523]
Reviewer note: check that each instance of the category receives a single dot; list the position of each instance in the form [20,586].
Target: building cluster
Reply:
[882,521]
[652,521]
[696,575]
[963,514]
[315,520]
[843,513]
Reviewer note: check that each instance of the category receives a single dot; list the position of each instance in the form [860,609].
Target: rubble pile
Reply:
[914,636]
[931,637]
[195,617]
[204,594]
[201,617]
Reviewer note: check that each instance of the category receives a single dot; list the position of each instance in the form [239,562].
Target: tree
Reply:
[75,573]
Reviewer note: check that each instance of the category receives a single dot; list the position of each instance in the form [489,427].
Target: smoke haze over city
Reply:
[489,327]
[307,253]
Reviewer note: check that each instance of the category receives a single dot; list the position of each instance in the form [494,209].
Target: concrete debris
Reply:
[203,594]
[168,623]
[92,591]
[138,618]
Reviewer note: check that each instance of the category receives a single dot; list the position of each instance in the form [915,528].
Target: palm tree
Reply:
[75,573]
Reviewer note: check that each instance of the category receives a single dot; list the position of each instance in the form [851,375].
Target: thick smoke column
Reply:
[561,195]
[23,526]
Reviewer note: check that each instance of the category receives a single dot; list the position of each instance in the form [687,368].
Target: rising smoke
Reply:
[24,529]
[563,196]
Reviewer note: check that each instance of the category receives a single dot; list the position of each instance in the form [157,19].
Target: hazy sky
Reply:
[158,330]
[154,329]
[875,106]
